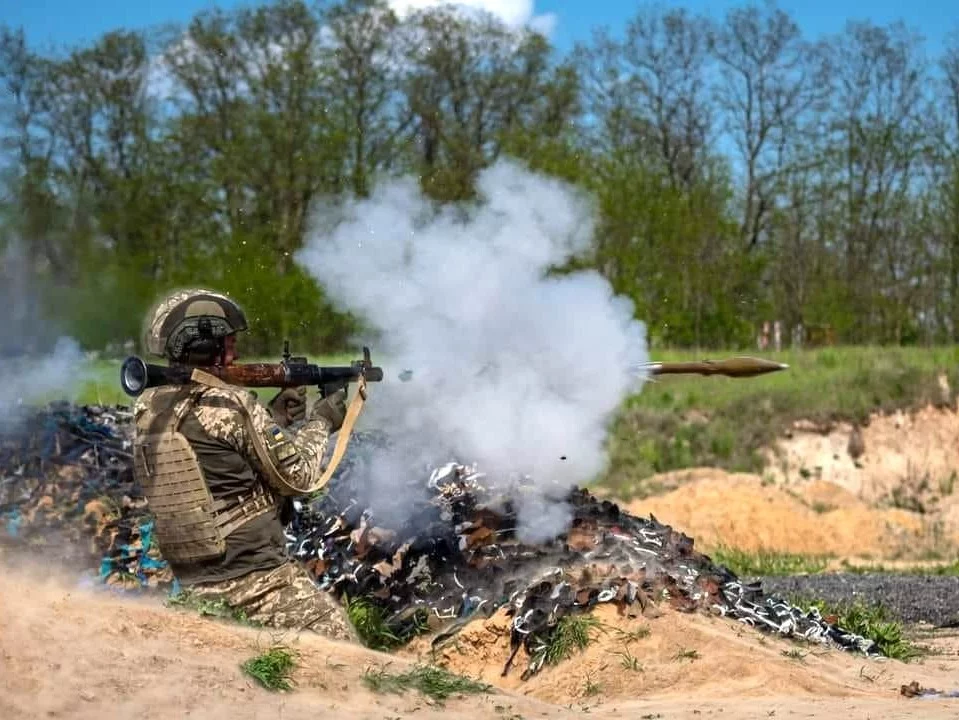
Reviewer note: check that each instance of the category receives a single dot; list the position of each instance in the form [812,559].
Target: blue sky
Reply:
[68,21]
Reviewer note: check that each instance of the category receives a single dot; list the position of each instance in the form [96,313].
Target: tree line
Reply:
[742,171]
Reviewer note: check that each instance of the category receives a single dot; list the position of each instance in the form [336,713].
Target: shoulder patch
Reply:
[284,452]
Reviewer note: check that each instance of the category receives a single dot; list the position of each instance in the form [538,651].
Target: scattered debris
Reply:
[457,556]
[453,557]
[914,689]
[67,491]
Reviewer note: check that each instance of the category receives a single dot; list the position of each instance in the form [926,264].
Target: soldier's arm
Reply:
[296,456]
[290,462]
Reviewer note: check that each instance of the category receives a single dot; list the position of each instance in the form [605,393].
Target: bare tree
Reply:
[878,134]
[770,80]
[648,92]
[362,59]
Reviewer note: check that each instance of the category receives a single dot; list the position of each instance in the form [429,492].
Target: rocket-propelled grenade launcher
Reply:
[137,375]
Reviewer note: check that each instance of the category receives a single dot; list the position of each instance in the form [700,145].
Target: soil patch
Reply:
[905,459]
[74,652]
[815,517]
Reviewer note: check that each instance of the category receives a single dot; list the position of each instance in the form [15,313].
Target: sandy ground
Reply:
[915,452]
[898,502]
[73,652]
[743,511]
[67,651]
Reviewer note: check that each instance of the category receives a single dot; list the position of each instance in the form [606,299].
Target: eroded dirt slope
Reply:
[69,652]
[898,500]
[744,511]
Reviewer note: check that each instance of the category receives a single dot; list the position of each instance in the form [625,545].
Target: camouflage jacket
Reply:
[221,437]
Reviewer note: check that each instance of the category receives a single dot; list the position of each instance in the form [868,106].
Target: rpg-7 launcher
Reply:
[137,375]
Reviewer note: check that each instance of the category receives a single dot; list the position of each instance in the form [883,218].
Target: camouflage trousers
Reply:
[285,597]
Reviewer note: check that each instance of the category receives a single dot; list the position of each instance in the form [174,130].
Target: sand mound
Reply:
[816,517]
[670,658]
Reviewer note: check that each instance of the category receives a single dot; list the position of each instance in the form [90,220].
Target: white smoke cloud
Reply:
[53,375]
[513,370]
[29,372]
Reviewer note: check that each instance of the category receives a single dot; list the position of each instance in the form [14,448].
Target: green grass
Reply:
[431,681]
[871,621]
[572,632]
[209,608]
[687,421]
[745,563]
[369,619]
[939,569]
[272,669]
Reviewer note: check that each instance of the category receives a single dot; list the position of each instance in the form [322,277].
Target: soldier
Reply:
[218,468]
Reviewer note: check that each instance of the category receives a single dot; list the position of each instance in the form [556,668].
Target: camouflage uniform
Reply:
[242,452]
[285,597]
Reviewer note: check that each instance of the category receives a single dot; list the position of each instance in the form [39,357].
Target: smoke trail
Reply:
[29,371]
[512,369]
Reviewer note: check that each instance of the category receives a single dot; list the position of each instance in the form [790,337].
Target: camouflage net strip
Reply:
[66,484]
[67,492]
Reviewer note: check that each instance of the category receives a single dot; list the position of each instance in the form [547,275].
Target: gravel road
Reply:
[913,598]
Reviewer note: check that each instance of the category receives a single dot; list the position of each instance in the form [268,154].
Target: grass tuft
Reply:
[870,621]
[371,623]
[209,608]
[272,668]
[431,681]
[572,632]
[369,619]
[686,654]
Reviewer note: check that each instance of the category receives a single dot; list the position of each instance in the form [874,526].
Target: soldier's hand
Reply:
[288,406]
[333,408]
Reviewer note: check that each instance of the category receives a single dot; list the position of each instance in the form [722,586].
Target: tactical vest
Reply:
[190,525]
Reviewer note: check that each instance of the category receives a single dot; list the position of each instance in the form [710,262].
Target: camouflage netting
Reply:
[67,493]
[455,555]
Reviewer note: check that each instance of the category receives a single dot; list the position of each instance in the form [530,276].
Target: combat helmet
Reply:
[191,324]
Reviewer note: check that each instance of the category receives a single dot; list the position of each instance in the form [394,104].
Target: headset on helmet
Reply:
[191,325]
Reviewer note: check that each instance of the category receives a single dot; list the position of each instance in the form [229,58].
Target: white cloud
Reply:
[515,13]
[161,82]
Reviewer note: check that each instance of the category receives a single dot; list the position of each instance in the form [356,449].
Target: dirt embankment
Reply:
[71,652]
[897,498]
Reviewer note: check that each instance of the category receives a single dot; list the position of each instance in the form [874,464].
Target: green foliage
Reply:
[678,422]
[272,669]
[767,563]
[871,621]
[209,608]
[940,569]
[431,681]
[571,633]
[119,195]
[372,624]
